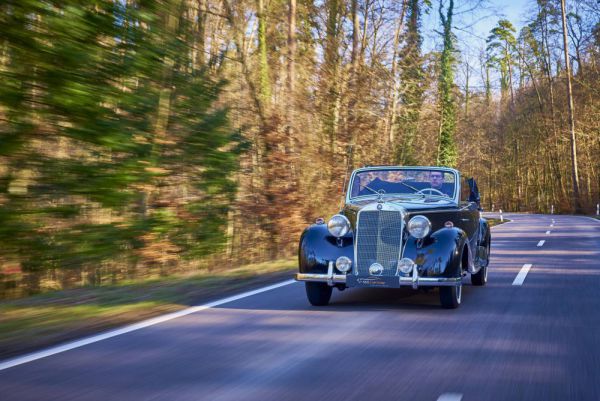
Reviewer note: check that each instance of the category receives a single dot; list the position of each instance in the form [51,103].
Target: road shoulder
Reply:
[37,322]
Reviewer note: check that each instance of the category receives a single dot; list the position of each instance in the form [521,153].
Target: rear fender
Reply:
[484,232]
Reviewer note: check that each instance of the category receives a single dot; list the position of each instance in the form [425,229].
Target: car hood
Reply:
[352,208]
[357,205]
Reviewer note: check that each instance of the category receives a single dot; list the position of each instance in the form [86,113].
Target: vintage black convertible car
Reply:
[400,226]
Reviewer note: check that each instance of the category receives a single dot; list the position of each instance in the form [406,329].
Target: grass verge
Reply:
[47,319]
[495,222]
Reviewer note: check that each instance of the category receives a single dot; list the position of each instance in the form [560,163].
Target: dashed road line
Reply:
[522,274]
[450,397]
[541,242]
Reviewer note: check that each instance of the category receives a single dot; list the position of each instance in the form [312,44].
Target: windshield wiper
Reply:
[375,192]
[436,198]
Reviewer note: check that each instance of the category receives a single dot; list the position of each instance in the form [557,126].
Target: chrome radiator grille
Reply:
[378,240]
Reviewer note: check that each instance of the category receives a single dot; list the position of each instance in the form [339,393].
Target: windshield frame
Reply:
[454,199]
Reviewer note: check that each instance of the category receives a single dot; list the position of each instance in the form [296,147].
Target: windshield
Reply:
[430,183]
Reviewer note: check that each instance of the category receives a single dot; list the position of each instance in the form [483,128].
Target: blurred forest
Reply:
[148,137]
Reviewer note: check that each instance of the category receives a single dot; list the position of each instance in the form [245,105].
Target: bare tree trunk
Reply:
[488,87]
[263,61]
[355,41]
[355,60]
[574,170]
[393,97]
[535,86]
[291,66]
[363,45]
[291,46]
[292,137]
[510,75]
[200,33]
[330,76]
[555,154]
[238,38]
[467,89]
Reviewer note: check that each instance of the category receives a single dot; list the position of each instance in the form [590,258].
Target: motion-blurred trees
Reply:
[112,152]
[122,123]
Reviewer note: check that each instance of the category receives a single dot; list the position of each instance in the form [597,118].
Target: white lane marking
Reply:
[551,225]
[450,397]
[522,274]
[541,242]
[133,327]
[548,232]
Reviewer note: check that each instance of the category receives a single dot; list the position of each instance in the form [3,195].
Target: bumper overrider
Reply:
[350,280]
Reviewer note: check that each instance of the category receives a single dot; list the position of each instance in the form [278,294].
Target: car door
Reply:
[468,213]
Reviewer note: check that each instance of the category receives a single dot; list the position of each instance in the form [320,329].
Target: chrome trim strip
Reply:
[323,278]
[432,281]
[414,279]
[403,281]
[330,273]
[428,211]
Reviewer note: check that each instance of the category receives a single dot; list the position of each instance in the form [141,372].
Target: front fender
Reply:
[318,247]
[440,254]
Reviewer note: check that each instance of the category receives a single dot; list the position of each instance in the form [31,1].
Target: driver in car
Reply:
[436,179]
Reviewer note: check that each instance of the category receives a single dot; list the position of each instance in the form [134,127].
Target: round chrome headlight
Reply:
[343,264]
[419,226]
[338,225]
[405,265]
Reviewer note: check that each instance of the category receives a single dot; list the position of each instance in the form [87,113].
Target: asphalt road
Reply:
[535,341]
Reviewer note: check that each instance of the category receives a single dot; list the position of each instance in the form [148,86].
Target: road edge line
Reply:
[34,356]
[586,217]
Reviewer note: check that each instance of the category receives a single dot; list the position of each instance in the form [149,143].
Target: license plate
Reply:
[372,281]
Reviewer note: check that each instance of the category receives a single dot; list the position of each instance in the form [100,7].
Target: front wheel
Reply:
[450,297]
[318,294]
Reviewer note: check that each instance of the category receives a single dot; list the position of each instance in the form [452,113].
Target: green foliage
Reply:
[447,152]
[86,168]
[412,79]
[265,85]
[500,47]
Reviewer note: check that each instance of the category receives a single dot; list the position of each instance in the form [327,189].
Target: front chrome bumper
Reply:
[413,281]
